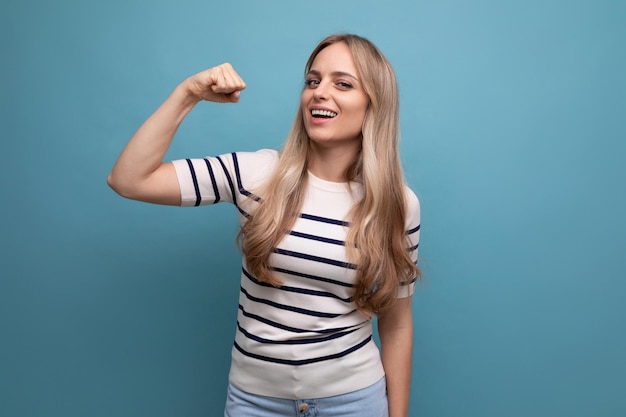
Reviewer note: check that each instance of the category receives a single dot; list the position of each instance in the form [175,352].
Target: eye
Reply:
[311,83]
[344,85]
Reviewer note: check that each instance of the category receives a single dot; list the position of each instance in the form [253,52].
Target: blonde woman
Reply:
[329,236]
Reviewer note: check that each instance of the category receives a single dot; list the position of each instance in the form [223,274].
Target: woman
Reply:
[329,235]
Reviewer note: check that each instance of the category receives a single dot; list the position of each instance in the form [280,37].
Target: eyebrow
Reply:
[334,74]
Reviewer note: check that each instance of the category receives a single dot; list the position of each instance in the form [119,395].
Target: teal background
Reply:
[514,128]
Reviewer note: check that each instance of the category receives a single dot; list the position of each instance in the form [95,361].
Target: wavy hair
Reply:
[376,239]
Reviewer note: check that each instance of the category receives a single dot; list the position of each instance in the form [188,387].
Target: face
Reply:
[333,101]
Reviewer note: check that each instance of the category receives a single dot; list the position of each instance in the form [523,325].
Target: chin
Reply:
[323,139]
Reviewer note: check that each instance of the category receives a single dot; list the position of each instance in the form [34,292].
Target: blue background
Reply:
[514,132]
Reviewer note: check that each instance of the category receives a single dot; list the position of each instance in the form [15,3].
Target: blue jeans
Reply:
[366,402]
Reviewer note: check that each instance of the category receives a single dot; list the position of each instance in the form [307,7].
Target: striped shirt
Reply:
[304,339]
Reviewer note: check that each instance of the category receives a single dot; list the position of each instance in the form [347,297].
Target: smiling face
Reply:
[333,102]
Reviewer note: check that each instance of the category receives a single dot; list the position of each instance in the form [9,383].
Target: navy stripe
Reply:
[415,229]
[405,283]
[412,248]
[296,289]
[304,361]
[289,328]
[314,277]
[293,341]
[287,307]
[324,220]
[230,180]
[195,182]
[239,183]
[243,213]
[314,258]
[216,191]
[270,322]
[318,238]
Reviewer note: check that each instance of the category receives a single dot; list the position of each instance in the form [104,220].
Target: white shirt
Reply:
[304,339]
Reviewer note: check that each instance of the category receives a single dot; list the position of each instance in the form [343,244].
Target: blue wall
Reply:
[514,137]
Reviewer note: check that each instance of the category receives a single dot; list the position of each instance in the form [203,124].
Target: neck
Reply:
[331,163]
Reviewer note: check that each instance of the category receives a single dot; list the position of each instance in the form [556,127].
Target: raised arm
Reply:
[140,173]
[395,328]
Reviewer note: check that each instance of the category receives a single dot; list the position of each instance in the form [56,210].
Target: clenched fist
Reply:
[220,84]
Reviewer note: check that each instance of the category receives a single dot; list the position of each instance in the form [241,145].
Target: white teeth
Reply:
[323,113]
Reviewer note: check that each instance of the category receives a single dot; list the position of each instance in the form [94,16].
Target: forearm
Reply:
[145,151]
[396,337]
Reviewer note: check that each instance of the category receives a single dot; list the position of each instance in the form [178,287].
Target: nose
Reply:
[321,91]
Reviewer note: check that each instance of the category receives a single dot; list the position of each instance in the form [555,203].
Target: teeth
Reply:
[323,113]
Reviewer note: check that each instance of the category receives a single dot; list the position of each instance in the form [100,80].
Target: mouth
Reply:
[323,114]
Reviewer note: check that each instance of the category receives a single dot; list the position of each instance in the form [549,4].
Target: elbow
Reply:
[111,182]
[118,186]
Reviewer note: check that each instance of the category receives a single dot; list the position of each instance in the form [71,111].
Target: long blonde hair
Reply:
[376,239]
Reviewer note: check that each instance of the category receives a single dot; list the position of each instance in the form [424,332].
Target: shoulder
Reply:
[257,163]
[412,207]
[412,202]
[252,169]
[260,156]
